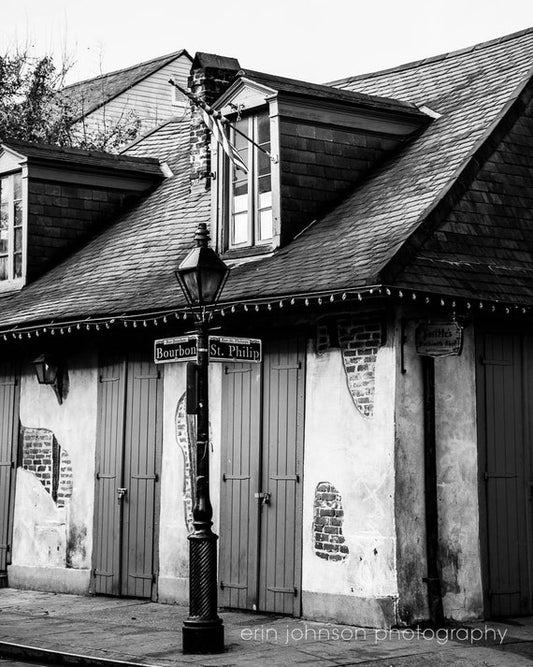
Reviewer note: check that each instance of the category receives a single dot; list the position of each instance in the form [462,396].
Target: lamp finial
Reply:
[202,235]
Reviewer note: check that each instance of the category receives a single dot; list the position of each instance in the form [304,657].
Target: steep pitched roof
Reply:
[93,93]
[129,268]
[471,90]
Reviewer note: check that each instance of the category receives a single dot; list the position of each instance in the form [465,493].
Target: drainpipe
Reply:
[436,613]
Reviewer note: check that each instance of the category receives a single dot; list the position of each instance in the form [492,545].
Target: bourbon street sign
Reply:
[168,350]
[221,348]
[439,339]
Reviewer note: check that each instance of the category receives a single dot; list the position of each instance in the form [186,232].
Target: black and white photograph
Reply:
[266,333]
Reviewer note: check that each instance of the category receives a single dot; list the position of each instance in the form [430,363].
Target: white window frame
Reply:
[12,283]
[253,189]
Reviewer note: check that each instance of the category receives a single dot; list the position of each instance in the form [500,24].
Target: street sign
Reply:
[169,350]
[221,348]
[224,348]
[439,339]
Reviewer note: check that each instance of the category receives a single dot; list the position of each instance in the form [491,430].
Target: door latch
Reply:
[263,497]
[121,492]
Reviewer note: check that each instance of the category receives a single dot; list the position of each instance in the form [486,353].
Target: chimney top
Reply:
[211,60]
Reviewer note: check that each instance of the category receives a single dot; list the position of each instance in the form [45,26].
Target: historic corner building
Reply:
[374,467]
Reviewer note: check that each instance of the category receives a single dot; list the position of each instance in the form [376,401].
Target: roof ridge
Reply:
[175,119]
[174,54]
[70,150]
[443,56]
[351,95]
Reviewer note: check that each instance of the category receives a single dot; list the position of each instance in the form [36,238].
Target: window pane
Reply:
[18,265]
[265,200]
[4,221]
[263,162]
[18,239]
[263,128]
[18,213]
[239,141]
[240,188]
[240,228]
[264,184]
[265,225]
[17,186]
[240,203]
[3,268]
[4,193]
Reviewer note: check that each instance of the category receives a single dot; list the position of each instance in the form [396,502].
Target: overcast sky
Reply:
[315,40]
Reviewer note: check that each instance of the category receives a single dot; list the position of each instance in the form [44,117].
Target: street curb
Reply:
[51,657]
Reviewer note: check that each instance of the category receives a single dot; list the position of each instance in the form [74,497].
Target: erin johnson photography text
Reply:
[304,633]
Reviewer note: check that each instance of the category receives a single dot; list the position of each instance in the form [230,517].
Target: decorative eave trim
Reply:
[456,306]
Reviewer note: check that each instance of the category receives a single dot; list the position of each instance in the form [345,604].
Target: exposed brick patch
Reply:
[208,83]
[64,488]
[359,342]
[48,461]
[322,338]
[329,542]
[184,438]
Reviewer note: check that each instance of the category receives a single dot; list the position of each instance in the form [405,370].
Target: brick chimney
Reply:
[210,76]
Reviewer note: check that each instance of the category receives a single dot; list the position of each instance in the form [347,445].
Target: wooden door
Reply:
[127,475]
[261,497]
[142,451]
[9,395]
[109,464]
[505,374]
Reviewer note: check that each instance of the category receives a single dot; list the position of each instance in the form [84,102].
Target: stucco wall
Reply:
[355,454]
[456,445]
[457,469]
[45,534]
[173,579]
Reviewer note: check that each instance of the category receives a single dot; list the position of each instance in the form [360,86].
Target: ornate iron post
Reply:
[203,631]
[202,276]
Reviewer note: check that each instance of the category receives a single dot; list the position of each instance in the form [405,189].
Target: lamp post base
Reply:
[203,636]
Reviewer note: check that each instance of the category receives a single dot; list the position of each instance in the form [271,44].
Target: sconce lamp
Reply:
[46,369]
[49,371]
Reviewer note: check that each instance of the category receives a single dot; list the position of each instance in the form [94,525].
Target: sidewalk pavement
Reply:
[99,631]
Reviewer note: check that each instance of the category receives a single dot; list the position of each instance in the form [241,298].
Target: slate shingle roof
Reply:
[93,93]
[129,268]
[306,89]
[93,159]
[350,245]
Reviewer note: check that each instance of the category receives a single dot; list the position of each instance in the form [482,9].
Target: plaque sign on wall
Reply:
[439,339]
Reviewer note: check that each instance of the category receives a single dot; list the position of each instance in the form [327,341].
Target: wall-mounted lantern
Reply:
[50,371]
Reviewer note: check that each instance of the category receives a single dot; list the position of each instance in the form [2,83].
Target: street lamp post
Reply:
[202,276]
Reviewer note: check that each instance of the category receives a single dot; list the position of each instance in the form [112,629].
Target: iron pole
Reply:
[203,631]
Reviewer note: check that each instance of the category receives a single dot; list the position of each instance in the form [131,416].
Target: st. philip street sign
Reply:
[224,348]
[221,348]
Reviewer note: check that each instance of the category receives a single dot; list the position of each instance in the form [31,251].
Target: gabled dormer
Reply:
[321,142]
[52,199]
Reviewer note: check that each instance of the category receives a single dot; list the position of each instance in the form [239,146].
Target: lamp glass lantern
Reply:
[46,369]
[202,276]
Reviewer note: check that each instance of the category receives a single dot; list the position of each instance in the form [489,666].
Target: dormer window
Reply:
[11,228]
[250,216]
